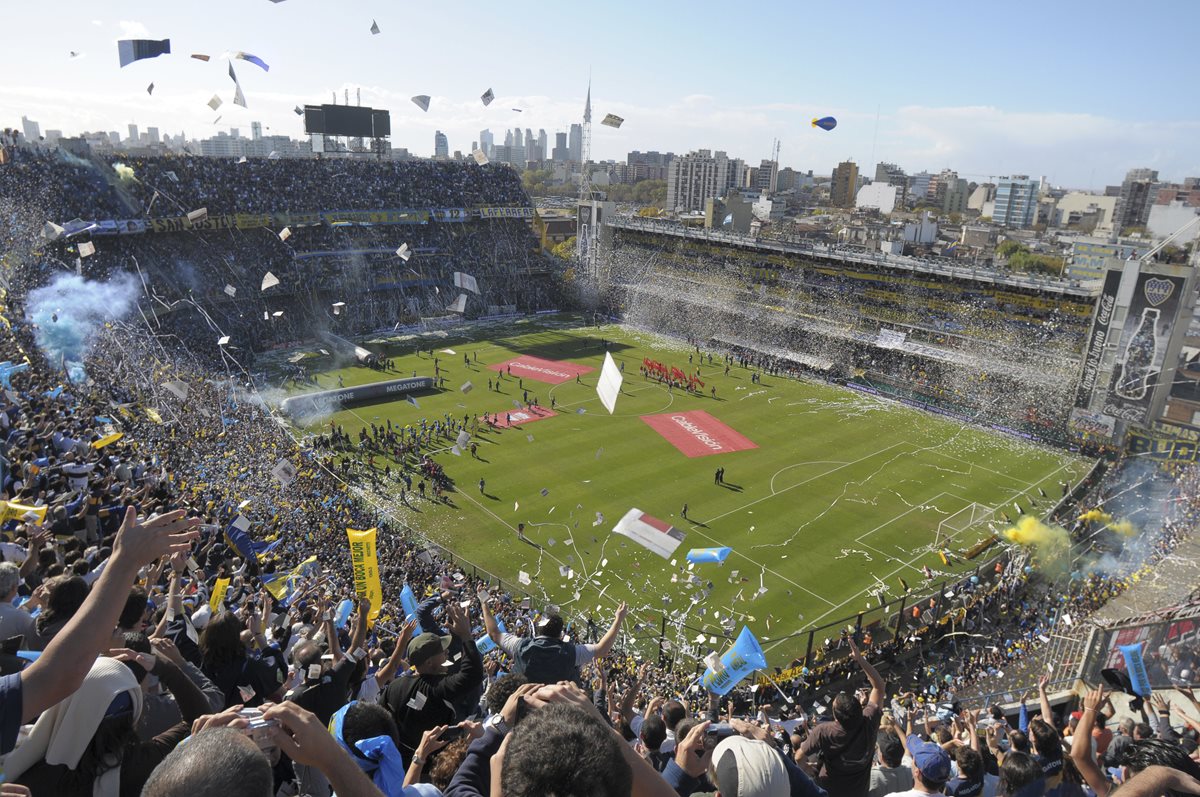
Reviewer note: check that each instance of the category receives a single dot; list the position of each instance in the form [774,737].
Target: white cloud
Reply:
[132,30]
[1075,149]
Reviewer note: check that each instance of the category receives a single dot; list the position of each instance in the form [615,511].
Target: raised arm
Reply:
[627,702]
[1044,700]
[605,645]
[388,671]
[358,631]
[489,622]
[878,685]
[1081,743]
[37,538]
[69,656]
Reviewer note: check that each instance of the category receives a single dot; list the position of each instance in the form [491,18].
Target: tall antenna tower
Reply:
[585,177]
[585,248]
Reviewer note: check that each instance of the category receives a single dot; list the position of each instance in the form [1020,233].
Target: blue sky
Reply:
[1076,92]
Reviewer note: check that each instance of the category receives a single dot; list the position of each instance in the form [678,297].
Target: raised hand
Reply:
[140,543]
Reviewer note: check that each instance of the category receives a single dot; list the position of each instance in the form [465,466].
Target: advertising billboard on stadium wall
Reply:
[506,213]
[1093,355]
[323,401]
[1142,345]
[1165,443]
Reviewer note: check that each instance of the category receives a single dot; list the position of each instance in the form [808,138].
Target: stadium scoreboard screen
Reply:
[347,120]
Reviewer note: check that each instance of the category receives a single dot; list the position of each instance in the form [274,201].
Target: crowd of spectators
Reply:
[149,654]
[264,185]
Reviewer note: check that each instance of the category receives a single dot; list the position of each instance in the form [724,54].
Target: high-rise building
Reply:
[766,177]
[152,134]
[1016,201]
[133,135]
[517,154]
[891,174]
[792,180]
[651,158]
[699,176]
[561,153]
[543,145]
[441,146]
[1134,201]
[576,143]
[938,183]
[255,131]
[31,130]
[486,142]
[918,185]
[955,193]
[844,186]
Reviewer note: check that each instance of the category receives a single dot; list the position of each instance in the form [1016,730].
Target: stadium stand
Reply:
[997,353]
[124,539]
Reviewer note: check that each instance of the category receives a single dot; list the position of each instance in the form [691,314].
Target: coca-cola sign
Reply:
[1141,346]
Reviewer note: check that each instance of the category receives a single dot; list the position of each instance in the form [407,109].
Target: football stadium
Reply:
[337,473]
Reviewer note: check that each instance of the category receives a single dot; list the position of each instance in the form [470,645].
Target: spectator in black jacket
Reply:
[424,699]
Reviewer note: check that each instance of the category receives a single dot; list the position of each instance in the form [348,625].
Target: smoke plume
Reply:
[69,310]
[1051,544]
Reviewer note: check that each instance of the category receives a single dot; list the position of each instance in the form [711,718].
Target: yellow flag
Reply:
[364,562]
[218,595]
[107,440]
[15,511]
[281,586]
[153,415]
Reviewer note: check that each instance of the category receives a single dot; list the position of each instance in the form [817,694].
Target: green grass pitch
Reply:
[843,492]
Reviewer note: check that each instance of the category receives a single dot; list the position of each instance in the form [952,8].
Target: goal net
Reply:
[970,516]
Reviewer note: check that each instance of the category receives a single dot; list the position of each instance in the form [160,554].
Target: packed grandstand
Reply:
[126,485]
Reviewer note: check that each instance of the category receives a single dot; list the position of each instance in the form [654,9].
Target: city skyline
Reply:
[966,119]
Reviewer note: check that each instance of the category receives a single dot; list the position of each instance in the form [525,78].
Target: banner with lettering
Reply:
[741,660]
[364,563]
[1093,355]
[506,213]
[218,595]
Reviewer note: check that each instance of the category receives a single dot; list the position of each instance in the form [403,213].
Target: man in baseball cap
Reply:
[930,766]
[425,699]
[426,646]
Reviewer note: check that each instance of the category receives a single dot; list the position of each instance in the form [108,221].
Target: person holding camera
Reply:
[845,747]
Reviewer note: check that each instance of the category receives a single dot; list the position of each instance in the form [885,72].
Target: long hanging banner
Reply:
[364,562]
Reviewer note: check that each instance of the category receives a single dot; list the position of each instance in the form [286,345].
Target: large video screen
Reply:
[353,121]
[314,119]
[347,120]
[381,123]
